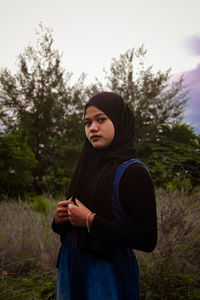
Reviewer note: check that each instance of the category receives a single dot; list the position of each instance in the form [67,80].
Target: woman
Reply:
[110,209]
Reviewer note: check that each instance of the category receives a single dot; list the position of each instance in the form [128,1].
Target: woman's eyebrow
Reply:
[97,115]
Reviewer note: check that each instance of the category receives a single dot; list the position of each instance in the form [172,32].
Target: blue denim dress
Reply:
[84,276]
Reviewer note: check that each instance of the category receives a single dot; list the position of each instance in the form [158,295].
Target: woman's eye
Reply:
[101,120]
[87,123]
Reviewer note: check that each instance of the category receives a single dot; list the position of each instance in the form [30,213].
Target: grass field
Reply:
[29,248]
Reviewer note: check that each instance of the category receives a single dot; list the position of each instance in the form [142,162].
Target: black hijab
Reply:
[92,182]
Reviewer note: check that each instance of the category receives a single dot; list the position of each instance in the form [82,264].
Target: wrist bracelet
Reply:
[87,221]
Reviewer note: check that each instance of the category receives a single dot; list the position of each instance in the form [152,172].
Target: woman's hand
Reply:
[61,215]
[78,214]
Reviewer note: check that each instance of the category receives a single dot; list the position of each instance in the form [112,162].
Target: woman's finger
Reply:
[70,206]
[79,203]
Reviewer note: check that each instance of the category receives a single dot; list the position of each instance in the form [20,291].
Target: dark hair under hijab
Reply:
[92,182]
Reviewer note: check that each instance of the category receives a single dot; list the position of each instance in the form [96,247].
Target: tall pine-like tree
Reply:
[39,99]
[155,101]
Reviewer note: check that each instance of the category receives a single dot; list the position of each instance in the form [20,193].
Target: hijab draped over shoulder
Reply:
[93,179]
[92,182]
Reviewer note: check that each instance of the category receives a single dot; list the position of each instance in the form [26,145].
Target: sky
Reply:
[90,33]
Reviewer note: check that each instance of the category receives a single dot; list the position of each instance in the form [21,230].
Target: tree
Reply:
[155,101]
[39,99]
[168,147]
[174,161]
[16,163]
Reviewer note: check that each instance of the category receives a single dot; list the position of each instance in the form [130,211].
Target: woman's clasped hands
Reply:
[76,213]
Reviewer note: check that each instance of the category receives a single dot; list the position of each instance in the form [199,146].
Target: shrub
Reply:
[27,241]
[179,183]
[30,286]
[40,204]
[17,161]
[171,271]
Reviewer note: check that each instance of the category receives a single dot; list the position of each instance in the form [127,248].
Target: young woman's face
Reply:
[99,129]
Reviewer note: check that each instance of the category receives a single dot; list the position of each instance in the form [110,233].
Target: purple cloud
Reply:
[192,113]
[192,81]
[192,45]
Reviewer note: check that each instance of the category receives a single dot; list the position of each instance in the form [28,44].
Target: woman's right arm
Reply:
[61,222]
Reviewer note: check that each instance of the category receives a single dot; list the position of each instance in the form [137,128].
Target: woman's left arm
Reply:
[137,197]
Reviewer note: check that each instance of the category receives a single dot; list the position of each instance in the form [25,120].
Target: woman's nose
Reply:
[94,126]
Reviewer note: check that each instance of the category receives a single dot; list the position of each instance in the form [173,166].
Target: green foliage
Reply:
[179,183]
[58,176]
[30,286]
[40,204]
[185,289]
[40,100]
[182,133]
[16,163]
[56,183]
[174,161]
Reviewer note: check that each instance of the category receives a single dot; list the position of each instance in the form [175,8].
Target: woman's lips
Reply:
[95,137]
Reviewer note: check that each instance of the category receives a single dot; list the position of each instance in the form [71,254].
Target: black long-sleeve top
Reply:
[137,197]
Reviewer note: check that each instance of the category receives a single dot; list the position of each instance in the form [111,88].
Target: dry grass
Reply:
[172,270]
[27,241]
[28,245]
